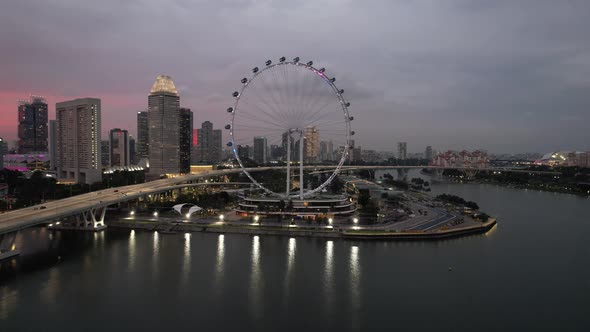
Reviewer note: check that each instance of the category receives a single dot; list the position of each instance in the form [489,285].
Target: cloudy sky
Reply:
[503,75]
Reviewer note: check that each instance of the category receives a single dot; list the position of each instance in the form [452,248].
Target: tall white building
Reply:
[78,141]
[164,131]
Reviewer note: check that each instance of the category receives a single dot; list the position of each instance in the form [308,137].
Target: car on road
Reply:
[43,207]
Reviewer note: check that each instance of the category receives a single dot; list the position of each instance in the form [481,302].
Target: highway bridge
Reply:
[89,209]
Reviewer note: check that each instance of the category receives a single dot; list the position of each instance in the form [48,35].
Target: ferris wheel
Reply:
[292,112]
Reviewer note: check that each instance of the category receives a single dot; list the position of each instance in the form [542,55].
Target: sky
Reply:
[507,76]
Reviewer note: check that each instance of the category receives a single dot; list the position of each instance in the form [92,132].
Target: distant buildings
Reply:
[475,159]
[52,145]
[3,151]
[244,152]
[143,137]
[105,153]
[402,150]
[260,147]
[132,151]
[164,131]
[32,125]
[565,158]
[119,148]
[186,139]
[311,148]
[78,141]
[428,153]
[209,144]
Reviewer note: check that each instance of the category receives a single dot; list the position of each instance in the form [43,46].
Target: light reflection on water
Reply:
[51,289]
[131,262]
[255,279]
[186,261]
[329,276]
[355,275]
[155,255]
[290,263]
[219,264]
[8,301]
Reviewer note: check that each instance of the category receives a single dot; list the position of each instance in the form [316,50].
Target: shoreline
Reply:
[348,234]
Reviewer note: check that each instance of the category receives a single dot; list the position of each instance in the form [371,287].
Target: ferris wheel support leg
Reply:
[288,165]
[301,165]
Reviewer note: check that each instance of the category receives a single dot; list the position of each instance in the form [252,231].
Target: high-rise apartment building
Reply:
[260,147]
[164,132]
[209,148]
[119,147]
[311,145]
[32,125]
[143,136]
[52,145]
[78,141]
[402,150]
[428,153]
[186,139]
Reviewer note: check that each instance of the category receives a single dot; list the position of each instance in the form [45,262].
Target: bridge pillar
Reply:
[90,220]
[8,245]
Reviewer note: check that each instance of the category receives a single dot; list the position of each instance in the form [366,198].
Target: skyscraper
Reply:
[260,147]
[209,148]
[311,144]
[132,151]
[3,151]
[428,153]
[78,141]
[143,136]
[164,132]
[52,145]
[119,147]
[323,151]
[402,150]
[32,125]
[105,153]
[186,139]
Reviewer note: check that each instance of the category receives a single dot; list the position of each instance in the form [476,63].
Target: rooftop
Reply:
[164,84]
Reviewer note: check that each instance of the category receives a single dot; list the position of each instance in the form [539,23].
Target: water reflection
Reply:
[186,262]
[155,255]
[219,266]
[290,263]
[8,301]
[355,275]
[51,289]
[131,262]
[329,275]
[256,279]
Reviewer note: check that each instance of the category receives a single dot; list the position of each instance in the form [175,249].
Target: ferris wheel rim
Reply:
[343,105]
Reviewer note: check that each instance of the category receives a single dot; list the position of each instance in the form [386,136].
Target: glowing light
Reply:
[132,213]
[256,218]
[330,220]
[50,225]
[188,215]
[221,216]
[155,213]
[355,220]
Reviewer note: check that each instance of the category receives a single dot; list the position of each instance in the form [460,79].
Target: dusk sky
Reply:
[502,75]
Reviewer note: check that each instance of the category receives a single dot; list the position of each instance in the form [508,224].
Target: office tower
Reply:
[143,136]
[330,150]
[209,139]
[428,153]
[260,155]
[105,153]
[78,141]
[119,141]
[186,139]
[32,125]
[276,152]
[52,145]
[402,150]
[294,146]
[311,145]
[323,151]
[164,132]
[3,151]
[132,151]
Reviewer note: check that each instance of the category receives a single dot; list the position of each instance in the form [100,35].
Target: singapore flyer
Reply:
[291,113]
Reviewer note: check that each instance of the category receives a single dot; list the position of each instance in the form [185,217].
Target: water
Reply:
[529,273]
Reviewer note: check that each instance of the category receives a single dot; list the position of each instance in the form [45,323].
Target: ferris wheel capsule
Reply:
[244,80]
[268,62]
[333,79]
[282,59]
[227,126]
[310,63]
[229,144]
[230,110]
[322,70]
[347,104]
[296,59]
[255,70]
[235,94]
[341,91]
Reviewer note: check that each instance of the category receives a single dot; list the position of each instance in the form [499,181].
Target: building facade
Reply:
[260,147]
[32,125]
[209,144]
[428,153]
[119,148]
[186,139]
[52,145]
[3,151]
[143,136]
[78,141]
[311,145]
[105,153]
[164,131]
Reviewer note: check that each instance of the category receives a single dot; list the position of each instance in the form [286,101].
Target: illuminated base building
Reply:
[321,205]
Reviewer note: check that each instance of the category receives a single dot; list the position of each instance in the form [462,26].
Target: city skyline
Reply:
[436,81]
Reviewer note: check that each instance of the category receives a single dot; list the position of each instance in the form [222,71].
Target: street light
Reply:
[355,220]
[188,215]
[221,216]
[132,213]
[256,218]
[330,220]
[156,214]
